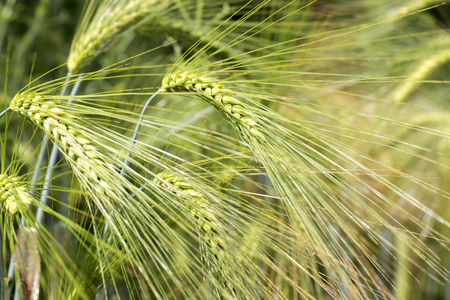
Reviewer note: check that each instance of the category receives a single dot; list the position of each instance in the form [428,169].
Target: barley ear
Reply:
[214,242]
[206,222]
[80,152]
[13,194]
[223,100]
[109,21]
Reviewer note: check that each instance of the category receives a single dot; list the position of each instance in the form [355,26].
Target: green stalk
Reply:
[136,129]
[4,112]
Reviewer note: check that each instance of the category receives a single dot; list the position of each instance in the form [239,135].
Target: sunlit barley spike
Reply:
[13,194]
[222,99]
[81,153]
[215,244]
[207,224]
[114,20]
[217,248]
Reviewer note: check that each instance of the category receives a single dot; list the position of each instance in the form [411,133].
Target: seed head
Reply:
[106,25]
[79,150]
[207,224]
[13,194]
[223,100]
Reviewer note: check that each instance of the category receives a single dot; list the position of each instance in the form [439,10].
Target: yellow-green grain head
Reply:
[13,195]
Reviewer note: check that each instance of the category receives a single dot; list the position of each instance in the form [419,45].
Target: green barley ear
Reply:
[80,152]
[212,235]
[13,194]
[207,223]
[420,74]
[223,100]
[110,19]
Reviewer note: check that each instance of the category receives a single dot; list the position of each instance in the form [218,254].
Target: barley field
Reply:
[199,149]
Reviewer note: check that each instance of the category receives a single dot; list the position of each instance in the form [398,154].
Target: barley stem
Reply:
[4,112]
[47,185]
[136,129]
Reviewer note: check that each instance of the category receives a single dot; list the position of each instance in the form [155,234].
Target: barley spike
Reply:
[206,222]
[13,194]
[215,244]
[81,153]
[114,20]
[222,99]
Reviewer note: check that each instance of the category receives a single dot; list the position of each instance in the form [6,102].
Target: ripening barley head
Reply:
[32,252]
[222,99]
[14,195]
[56,122]
[104,22]
[213,237]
